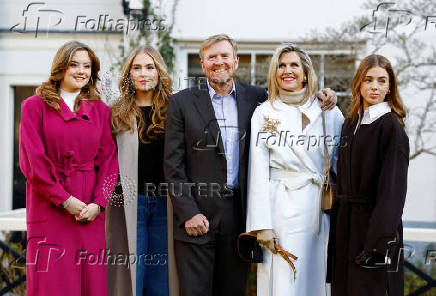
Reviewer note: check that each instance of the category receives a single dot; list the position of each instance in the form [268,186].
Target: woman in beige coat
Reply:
[136,229]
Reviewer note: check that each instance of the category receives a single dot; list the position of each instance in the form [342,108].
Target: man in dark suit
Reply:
[205,163]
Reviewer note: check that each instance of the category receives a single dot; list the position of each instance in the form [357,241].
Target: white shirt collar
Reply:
[374,112]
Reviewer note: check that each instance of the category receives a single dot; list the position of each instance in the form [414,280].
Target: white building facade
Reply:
[27,49]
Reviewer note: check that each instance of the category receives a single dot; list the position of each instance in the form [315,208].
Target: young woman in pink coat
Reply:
[69,159]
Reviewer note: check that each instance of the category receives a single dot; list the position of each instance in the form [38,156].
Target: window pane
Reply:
[262,67]
[315,62]
[243,74]
[194,69]
[19,182]
[343,103]
[339,70]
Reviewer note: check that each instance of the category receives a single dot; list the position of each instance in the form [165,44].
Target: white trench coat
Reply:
[284,193]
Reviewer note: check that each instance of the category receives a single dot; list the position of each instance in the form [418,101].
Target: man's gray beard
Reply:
[221,83]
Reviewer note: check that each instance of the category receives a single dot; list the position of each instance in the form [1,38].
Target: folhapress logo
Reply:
[37,17]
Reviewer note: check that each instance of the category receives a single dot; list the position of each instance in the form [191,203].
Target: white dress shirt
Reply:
[372,113]
[226,113]
[69,98]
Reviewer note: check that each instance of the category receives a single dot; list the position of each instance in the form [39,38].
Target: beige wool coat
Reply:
[121,224]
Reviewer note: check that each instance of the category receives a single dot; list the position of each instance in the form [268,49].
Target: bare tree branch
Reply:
[413,59]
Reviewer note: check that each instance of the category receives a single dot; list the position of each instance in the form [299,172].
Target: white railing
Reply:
[419,234]
[15,220]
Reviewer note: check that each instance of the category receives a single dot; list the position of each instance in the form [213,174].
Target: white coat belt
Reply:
[296,180]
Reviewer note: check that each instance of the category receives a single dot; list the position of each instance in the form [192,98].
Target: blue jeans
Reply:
[152,246]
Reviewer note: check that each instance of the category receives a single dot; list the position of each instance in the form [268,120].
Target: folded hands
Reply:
[82,212]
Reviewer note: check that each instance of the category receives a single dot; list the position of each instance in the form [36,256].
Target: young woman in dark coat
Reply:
[366,237]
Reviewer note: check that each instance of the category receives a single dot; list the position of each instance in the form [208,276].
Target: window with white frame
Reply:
[19,182]
[334,70]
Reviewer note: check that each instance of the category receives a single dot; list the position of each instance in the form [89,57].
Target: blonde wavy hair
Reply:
[125,108]
[312,81]
[48,91]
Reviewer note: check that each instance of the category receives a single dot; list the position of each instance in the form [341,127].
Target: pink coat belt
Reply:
[69,167]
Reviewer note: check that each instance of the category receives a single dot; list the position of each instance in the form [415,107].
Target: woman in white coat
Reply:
[286,177]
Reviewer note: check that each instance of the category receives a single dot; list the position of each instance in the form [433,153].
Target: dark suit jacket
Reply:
[194,153]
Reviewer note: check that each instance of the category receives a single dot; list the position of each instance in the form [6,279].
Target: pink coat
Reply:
[63,154]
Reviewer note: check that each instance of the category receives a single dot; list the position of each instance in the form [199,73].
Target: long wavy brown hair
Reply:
[125,109]
[392,97]
[49,90]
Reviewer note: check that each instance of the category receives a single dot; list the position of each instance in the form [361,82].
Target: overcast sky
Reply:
[260,19]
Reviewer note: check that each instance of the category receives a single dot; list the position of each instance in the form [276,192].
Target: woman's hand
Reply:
[266,238]
[89,213]
[73,205]
[328,98]
[372,260]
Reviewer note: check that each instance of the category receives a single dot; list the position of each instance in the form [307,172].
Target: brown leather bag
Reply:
[327,188]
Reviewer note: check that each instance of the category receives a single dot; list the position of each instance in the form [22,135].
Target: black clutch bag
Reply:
[249,249]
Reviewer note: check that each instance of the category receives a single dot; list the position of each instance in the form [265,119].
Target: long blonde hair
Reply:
[312,81]
[125,108]
[49,90]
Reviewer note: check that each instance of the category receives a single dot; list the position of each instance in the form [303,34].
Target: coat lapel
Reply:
[85,109]
[83,112]
[128,144]
[204,107]
[312,110]
[243,117]
[65,111]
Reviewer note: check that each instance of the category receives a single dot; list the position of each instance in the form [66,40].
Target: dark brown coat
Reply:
[372,185]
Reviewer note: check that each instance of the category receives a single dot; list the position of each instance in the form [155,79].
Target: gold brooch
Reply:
[270,125]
